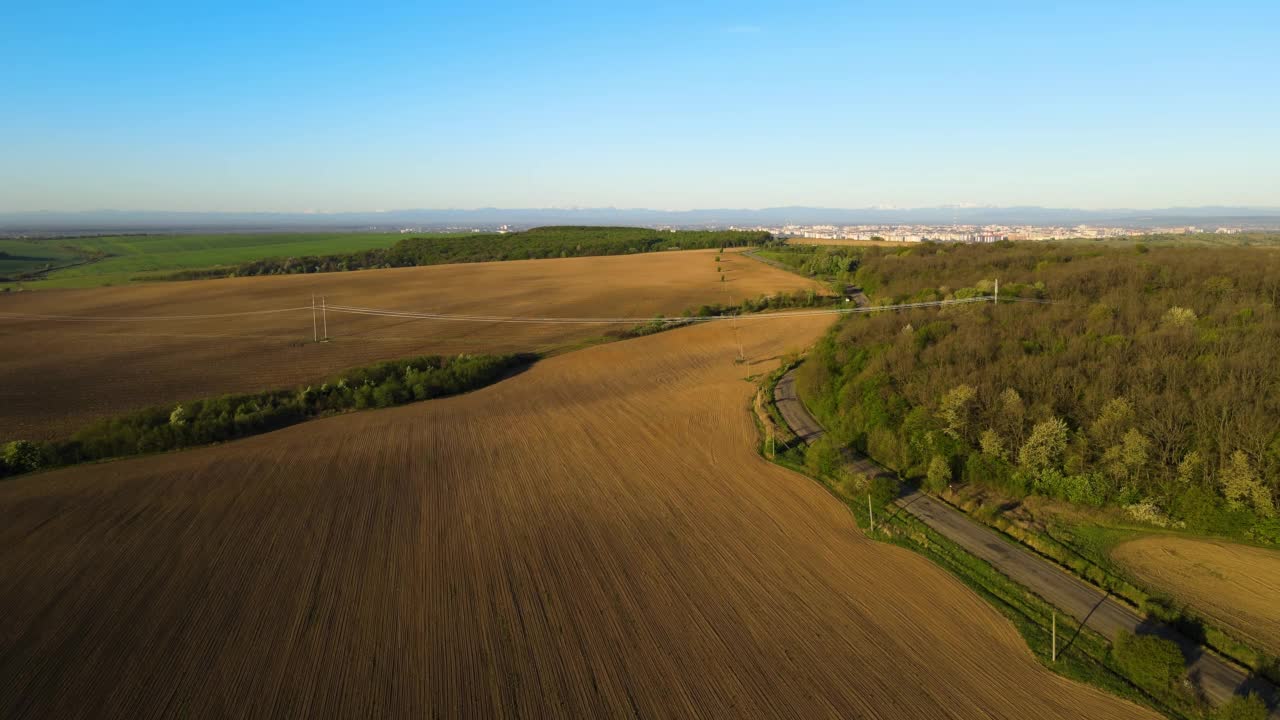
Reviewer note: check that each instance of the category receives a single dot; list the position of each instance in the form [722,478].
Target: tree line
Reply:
[538,243]
[1149,383]
[763,303]
[835,264]
[219,419]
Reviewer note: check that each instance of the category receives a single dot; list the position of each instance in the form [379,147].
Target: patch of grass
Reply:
[1096,542]
[27,256]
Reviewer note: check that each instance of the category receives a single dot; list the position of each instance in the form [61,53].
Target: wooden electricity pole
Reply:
[315,333]
[1055,636]
[997,300]
[324,312]
[871,516]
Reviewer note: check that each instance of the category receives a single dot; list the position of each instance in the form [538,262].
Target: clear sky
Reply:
[360,106]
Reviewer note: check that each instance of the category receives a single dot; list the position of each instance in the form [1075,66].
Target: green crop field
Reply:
[95,261]
[19,256]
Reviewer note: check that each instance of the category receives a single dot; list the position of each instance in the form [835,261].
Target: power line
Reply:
[142,318]
[410,314]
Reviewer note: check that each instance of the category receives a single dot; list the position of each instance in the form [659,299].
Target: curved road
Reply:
[1217,677]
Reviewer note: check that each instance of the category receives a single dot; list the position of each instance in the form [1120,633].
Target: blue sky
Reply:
[349,106]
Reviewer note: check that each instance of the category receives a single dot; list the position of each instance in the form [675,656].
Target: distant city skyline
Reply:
[286,107]
[1025,222]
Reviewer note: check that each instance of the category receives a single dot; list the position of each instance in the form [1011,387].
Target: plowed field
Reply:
[592,538]
[1237,586]
[56,376]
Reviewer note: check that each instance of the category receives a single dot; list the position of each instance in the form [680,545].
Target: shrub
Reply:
[822,458]
[938,477]
[1248,707]
[1146,511]
[21,456]
[992,472]
[884,490]
[1149,661]
[852,486]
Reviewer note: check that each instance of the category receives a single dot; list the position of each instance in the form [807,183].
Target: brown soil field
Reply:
[56,376]
[1236,586]
[595,537]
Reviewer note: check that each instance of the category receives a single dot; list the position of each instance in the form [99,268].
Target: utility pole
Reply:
[871,515]
[1055,636]
[733,318]
[324,312]
[997,300]
[315,333]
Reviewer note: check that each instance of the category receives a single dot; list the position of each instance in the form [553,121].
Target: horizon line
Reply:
[641,208]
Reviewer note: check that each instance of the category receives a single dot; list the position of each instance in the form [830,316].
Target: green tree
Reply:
[938,476]
[1191,469]
[1011,415]
[884,489]
[1134,449]
[1179,317]
[1126,459]
[955,408]
[1115,417]
[22,456]
[1240,485]
[883,445]
[822,457]
[1044,447]
[992,444]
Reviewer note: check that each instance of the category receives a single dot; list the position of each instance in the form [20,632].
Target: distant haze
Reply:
[157,221]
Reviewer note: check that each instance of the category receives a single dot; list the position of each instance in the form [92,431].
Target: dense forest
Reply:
[1149,381]
[218,419]
[1258,238]
[544,242]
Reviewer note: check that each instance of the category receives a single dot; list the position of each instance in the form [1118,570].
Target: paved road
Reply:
[1218,678]
[797,417]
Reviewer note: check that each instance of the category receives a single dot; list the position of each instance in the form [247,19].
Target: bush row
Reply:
[218,419]
[538,243]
